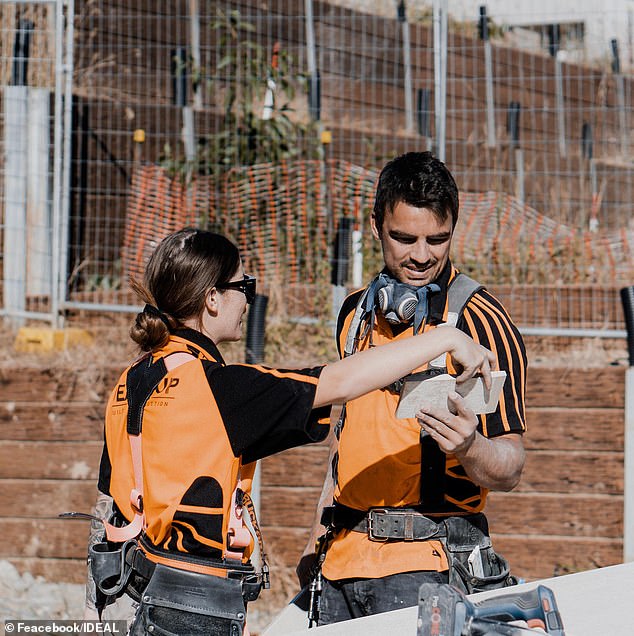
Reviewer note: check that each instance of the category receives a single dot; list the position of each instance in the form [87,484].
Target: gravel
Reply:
[27,597]
[23,596]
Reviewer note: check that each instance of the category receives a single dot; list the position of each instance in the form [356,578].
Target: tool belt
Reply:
[473,564]
[251,581]
[127,568]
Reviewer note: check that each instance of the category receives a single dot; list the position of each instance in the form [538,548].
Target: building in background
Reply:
[586,27]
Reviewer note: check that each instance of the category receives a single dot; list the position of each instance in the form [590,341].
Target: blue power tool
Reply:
[444,610]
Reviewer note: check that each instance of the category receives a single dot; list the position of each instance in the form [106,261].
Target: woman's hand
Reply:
[455,428]
[472,357]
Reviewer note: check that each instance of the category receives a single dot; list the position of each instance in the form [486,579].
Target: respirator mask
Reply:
[400,302]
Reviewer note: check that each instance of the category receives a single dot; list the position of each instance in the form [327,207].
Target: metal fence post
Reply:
[483,29]
[15,179]
[256,327]
[620,96]
[341,263]
[440,75]
[401,15]
[627,297]
[513,129]
[423,116]
[68,33]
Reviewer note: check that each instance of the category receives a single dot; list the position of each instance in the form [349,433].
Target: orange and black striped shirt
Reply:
[379,456]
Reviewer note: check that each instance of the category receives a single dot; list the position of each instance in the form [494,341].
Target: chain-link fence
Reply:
[271,124]
[33,150]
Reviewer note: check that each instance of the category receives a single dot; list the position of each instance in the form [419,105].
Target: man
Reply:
[423,479]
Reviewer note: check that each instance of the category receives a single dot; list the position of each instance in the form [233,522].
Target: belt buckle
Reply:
[371,521]
[405,517]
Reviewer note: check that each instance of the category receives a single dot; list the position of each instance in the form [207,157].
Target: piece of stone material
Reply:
[434,391]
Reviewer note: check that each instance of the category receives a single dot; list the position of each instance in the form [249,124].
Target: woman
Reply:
[204,423]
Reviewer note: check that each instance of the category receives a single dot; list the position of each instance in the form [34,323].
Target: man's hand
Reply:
[304,569]
[454,432]
[494,463]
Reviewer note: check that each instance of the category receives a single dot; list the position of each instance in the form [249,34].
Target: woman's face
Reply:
[232,305]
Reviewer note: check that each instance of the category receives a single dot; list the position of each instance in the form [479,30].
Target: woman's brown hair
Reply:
[182,270]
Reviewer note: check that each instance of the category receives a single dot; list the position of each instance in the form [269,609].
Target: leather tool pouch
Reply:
[109,567]
[172,595]
[251,587]
[488,571]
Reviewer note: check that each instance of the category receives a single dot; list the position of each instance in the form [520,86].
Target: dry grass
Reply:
[287,345]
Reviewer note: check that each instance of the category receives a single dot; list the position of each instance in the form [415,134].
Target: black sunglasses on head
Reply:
[246,286]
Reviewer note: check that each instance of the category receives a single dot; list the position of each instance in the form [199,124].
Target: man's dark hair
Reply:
[420,180]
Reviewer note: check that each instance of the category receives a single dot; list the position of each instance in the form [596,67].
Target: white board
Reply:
[592,603]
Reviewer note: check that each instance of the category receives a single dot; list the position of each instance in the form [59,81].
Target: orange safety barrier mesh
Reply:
[157,205]
[283,217]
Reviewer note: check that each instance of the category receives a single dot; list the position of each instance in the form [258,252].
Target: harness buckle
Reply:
[136,501]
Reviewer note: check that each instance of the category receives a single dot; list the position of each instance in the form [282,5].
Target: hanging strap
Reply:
[248,504]
[432,458]
[142,380]
[238,535]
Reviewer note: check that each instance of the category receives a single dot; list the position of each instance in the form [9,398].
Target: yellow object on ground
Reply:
[38,339]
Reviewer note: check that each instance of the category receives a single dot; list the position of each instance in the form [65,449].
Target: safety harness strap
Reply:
[141,382]
[459,293]
[432,458]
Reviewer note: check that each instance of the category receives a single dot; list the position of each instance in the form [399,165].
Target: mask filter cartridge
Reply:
[397,303]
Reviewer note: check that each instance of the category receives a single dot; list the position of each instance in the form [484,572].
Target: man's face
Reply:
[415,244]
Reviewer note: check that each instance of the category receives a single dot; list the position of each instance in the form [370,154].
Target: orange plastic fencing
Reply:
[157,205]
[284,218]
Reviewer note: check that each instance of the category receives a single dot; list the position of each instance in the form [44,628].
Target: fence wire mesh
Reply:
[28,41]
[271,124]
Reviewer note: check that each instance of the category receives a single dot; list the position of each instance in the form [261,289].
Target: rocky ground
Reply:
[32,598]
[26,597]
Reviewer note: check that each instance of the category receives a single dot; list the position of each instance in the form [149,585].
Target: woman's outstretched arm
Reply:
[368,370]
